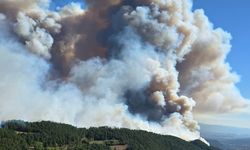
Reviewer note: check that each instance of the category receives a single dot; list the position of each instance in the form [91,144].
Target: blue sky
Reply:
[234,17]
[60,3]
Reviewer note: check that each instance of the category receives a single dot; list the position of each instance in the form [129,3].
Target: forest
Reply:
[46,135]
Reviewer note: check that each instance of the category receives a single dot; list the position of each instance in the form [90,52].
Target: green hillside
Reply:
[55,136]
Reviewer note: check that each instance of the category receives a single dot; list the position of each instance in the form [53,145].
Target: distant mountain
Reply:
[235,144]
[224,132]
[225,137]
[49,135]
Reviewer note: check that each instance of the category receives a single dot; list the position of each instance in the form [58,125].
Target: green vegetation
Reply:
[56,136]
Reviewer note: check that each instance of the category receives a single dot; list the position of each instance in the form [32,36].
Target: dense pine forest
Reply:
[20,135]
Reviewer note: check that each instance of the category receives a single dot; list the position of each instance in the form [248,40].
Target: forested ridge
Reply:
[20,135]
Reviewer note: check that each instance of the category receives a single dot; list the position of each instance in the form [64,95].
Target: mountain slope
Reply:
[49,135]
[226,137]
[224,132]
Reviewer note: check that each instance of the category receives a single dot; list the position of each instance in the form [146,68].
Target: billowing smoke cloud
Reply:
[141,64]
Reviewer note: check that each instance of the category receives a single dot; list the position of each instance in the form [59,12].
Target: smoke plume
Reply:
[140,64]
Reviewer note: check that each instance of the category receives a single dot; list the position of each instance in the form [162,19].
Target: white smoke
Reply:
[161,59]
[37,39]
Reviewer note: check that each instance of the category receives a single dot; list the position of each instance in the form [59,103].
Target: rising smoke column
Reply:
[140,64]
